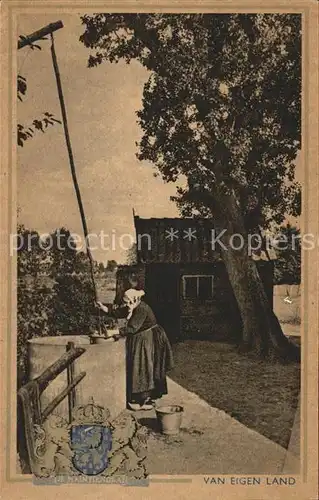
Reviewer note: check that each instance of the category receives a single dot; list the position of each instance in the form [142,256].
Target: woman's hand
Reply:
[122,333]
[101,306]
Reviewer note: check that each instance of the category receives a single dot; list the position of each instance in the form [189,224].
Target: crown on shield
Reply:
[90,413]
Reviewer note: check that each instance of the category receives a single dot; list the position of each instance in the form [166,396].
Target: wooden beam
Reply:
[49,409]
[70,376]
[56,368]
[72,164]
[39,34]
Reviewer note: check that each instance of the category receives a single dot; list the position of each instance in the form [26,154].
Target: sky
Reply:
[101,107]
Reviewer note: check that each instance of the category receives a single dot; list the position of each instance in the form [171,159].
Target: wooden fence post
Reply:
[29,410]
[70,375]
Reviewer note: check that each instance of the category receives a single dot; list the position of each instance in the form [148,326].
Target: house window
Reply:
[197,286]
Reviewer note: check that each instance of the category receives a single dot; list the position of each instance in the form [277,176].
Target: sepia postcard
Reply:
[159,249]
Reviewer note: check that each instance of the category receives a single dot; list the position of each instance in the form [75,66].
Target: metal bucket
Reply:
[169,418]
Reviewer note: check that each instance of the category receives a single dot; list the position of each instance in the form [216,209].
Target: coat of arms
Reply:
[91,444]
[91,439]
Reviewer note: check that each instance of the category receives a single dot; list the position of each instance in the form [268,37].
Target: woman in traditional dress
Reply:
[148,352]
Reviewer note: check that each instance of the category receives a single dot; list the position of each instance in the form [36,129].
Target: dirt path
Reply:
[210,442]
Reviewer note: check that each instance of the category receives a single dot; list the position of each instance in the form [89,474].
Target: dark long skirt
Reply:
[148,358]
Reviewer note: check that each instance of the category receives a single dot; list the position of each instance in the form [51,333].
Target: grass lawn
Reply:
[261,395]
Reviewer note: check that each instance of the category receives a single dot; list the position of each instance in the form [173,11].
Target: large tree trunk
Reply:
[261,329]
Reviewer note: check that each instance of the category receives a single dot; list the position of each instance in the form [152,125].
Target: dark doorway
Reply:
[162,294]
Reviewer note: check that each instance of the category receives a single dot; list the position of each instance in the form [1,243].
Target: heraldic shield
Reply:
[91,444]
[91,439]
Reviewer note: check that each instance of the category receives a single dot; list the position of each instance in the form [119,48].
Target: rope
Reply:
[26,55]
[72,166]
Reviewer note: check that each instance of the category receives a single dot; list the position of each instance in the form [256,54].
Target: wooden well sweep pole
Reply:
[71,159]
[29,40]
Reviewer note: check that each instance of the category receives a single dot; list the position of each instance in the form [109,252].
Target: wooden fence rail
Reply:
[29,412]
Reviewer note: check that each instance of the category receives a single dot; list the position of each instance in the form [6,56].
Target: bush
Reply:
[33,311]
[65,307]
[73,309]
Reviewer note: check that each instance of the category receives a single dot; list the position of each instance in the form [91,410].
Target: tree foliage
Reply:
[288,263]
[73,306]
[131,255]
[221,104]
[101,267]
[111,265]
[34,302]
[32,257]
[55,290]
[25,132]
[33,319]
[221,108]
